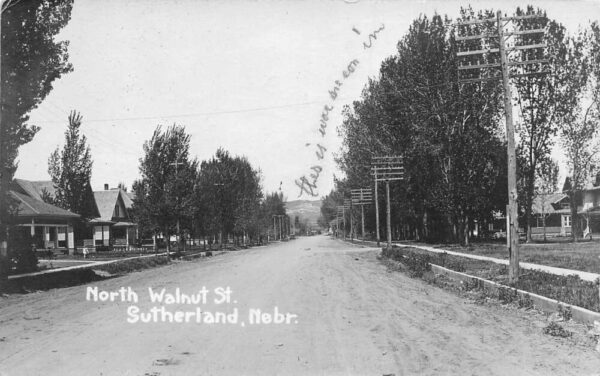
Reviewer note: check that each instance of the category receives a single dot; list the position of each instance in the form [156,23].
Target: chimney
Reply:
[106,187]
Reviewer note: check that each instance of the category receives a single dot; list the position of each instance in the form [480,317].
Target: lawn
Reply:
[584,256]
[568,289]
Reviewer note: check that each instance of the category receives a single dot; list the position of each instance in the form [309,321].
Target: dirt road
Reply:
[353,318]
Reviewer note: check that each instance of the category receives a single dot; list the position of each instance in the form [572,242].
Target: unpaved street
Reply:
[354,318]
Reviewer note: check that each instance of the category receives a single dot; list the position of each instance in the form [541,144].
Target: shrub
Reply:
[21,255]
[507,295]
[417,262]
[556,330]
[525,302]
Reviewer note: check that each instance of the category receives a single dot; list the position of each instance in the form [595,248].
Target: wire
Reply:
[225,112]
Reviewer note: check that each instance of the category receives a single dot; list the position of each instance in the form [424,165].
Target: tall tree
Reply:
[229,192]
[30,61]
[71,171]
[581,127]
[164,195]
[545,101]
[448,134]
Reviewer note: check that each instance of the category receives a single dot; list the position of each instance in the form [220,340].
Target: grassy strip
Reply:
[128,266]
[76,277]
[568,289]
[584,256]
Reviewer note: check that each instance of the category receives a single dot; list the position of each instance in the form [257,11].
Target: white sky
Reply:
[250,76]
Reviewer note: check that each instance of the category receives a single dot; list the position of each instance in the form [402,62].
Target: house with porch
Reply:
[554,212]
[114,226]
[110,226]
[50,227]
[551,215]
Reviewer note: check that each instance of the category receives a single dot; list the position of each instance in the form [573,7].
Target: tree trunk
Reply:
[574,219]
[466,232]
[168,243]
[528,203]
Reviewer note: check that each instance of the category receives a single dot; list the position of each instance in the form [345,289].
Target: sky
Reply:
[252,77]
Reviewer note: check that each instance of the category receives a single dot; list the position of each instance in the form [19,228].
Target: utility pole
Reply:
[362,197]
[388,168]
[3,172]
[490,62]
[348,206]
[376,209]
[340,211]
[176,164]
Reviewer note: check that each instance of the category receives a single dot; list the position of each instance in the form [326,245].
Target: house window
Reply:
[117,211]
[566,221]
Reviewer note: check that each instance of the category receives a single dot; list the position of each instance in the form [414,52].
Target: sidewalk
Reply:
[586,276]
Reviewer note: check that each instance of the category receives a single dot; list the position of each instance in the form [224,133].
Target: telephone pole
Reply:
[386,169]
[340,212]
[376,209]
[348,206]
[488,61]
[362,197]
[3,172]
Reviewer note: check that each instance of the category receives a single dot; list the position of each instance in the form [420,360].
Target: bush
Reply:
[21,255]
[416,262]
[556,330]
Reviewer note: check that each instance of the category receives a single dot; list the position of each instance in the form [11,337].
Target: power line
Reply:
[225,112]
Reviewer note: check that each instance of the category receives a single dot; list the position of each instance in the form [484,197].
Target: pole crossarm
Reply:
[524,17]
[525,62]
[480,36]
[479,66]
[500,35]
[387,168]
[361,196]
[477,52]
[523,32]
[526,47]
[477,21]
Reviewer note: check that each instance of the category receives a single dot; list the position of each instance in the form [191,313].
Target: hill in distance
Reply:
[306,210]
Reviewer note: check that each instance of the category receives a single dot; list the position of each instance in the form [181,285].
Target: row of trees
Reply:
[217,198]
[451,134]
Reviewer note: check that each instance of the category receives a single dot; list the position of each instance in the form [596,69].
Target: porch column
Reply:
[46,236]
[127,237]
[94,235]
[70,240]
[56,237]
[32,229]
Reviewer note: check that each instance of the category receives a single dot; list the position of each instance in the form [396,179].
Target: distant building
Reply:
[114,226]
[555,210]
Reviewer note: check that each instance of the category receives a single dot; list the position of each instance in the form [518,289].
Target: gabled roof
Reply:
[128,199]
[30,207]
[543,203]
[35,189]
[106,201]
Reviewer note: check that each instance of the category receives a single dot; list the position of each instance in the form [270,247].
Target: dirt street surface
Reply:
[353,318]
